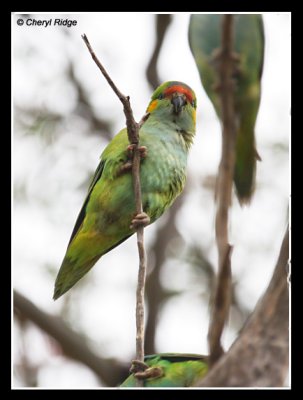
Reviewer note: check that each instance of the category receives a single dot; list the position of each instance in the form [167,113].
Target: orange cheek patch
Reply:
[152,106]
[194,116]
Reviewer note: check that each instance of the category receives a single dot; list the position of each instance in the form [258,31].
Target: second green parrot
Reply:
[205,40]
[107,217]
[171,370]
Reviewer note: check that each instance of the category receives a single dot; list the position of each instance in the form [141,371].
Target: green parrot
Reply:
[205,40]
[107,217]
[170,370]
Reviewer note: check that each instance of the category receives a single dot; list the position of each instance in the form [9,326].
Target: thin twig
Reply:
[133,137]
[222,296]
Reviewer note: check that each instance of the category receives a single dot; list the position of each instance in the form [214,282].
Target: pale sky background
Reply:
[50,176]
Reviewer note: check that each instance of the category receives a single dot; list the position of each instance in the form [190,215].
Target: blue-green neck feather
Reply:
[183,124]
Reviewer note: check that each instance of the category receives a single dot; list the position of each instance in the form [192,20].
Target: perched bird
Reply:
[205,40]
[107,217]
[170,370]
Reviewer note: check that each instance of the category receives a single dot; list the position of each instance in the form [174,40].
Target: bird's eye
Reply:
[161,96]
[193,103]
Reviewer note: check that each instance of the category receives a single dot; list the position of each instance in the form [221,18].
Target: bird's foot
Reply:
[142,151]
[152,372]
[138,366]
[128,165]
[143,371]
[139,220]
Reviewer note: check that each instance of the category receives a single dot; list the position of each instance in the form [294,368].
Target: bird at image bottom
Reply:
[170,370]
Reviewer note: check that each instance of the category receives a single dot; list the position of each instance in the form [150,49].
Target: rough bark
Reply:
[259,357]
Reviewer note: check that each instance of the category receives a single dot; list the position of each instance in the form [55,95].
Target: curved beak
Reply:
[178,101]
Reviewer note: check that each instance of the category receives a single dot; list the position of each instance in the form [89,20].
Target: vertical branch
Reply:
[259,357]
[162,23]
[133,137]
[222,296]
[141,272]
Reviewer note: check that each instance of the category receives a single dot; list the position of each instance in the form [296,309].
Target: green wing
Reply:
[82,212]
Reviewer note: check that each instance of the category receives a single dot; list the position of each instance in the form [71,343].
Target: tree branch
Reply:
[259,356]
[108,370]
[222,298]
[162,23]
[84,107]
[133,137]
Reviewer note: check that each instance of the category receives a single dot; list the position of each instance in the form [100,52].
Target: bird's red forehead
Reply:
[179,89]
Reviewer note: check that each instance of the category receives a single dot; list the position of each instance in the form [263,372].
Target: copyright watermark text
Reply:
[47,22]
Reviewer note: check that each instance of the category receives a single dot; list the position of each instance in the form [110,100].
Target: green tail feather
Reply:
[69,274]
[245,166]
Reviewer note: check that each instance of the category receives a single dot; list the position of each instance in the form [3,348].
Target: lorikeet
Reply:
[205,39]
[171,370]
[107,217]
